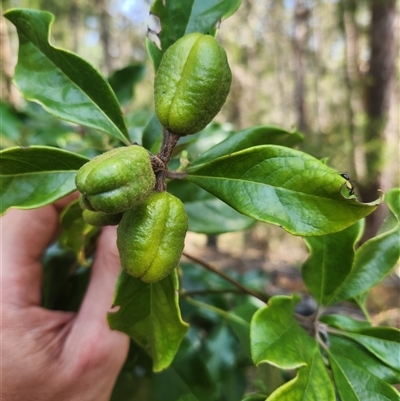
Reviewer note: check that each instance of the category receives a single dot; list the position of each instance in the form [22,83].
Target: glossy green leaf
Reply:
[312,383]
[123,81]
[152,135]
[254,136]
[343,322]
[208,214]
[355,383]
[150,315]
[36,176]
[348,349]
[281,186]
[374,259]
[179,18]
[66,85]
[383,342]
[277,338]
[330,261]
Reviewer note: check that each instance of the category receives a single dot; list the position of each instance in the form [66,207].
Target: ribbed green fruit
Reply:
[116,180]
[192,83]
[151,237]
[99,219]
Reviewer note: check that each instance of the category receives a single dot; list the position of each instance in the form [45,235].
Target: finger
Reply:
[24,235]
[104,275]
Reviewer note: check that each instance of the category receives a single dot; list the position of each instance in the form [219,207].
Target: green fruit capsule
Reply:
[191,84]
[116,180]
[99,219]
[151,237]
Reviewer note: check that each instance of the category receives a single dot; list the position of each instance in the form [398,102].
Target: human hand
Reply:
[54,355]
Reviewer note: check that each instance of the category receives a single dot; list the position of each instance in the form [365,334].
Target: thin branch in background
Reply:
[213,269]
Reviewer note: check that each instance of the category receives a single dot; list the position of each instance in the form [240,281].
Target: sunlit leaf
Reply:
[150,315]
[311,383]
[343,322]
[281,186]
[277,338]
[36,176]
[66,85]
[179,18]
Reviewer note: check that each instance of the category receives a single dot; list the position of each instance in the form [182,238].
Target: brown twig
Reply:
[213,269]
[170,139]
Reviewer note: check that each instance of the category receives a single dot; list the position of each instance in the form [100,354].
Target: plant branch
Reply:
[213,269]
[170,139]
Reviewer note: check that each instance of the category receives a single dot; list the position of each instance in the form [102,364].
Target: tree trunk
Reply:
[301,16]
[105,37]
[377,100]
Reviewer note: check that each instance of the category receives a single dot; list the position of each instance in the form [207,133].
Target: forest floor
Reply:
[281,255]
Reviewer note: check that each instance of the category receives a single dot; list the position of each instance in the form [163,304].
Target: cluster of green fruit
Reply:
[118,187]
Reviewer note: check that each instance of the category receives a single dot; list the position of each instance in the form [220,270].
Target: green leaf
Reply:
[383,342]
[123,81]
[169,386]
[36,176]
[355,383]
[374,259]
[330,261]
[150,315]
[179,18]
[343,322]
[76,232]
[281,186]
[66,85]
[312,383]
[277,338]
[10,125]
[208,214]
[255,397]
[152,135]
[188,367]
[254,136]
[348,349]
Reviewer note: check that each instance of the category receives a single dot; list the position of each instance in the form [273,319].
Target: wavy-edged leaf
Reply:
[36,176]
[383,342]
[276,337]
[312,383]
[281,186]
[208,214]
[254,136]
[66,85]
[330,261]
[150,315]
[374,259]
[355,383]
[179,18]
[346,348]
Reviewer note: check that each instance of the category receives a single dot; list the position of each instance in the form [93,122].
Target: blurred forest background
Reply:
[325,67]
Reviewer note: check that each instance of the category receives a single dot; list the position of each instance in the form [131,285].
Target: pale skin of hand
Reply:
[53,355]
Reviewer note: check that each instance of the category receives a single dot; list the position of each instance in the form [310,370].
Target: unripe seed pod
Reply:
[151,237]
[192,83]
[116,180]
[99,219]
